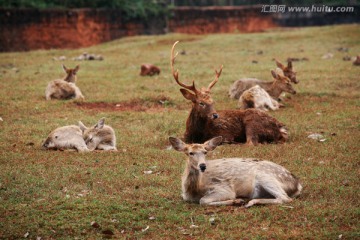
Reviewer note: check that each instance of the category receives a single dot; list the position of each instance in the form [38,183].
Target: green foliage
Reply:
[132,8]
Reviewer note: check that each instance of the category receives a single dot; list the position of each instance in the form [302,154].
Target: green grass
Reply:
[56,195]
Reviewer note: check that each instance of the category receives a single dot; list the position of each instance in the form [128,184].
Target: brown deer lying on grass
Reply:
[149,69]
[282,83]
[225,181]
[235,126]
[64,88]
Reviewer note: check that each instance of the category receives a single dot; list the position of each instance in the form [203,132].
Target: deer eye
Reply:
[191,153]
[56,136]
[202,104]
[205,152]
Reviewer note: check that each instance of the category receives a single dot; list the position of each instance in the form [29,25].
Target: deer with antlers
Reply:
[235,126]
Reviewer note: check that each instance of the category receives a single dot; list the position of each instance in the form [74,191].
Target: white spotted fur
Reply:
[257,97]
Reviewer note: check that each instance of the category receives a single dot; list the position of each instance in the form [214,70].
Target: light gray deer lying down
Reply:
[281,83]
[256,97]
[99,136]
[64,88]
[67,137]
[226,181]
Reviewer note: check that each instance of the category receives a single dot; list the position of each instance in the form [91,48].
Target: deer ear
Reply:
[188,95]
[100,124]
[82,126]
[177,144]
[213,143]
[279,64]
[273,73]
[76,68]
[65,69]
[289,65]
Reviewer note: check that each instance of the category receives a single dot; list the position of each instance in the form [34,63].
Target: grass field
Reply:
[57,194]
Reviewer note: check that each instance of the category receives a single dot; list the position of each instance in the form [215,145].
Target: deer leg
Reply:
[106,147]
[219,196]
[251,139]
[263,186]
[82,149]
[267,201]
[233,202]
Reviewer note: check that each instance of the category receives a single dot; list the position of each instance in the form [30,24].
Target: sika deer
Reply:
[225,181]
[256,97]
[64,88]
[235,126]
[149,69]
[280,84]
[100,136]
[67,137]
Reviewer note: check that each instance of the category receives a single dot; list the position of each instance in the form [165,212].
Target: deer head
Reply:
[70,73]
[288,71]
[196,152]
[282,82]
[203,104]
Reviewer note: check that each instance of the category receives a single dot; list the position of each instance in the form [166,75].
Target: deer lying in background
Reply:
[149,69]
[64,88]
[235,126]
[99,136]
[225,181]
[282,83]
[67,137]
[256,97]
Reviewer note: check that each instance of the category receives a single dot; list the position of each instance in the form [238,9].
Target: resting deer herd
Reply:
[224,181]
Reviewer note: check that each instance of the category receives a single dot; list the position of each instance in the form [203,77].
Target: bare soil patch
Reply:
[157,103]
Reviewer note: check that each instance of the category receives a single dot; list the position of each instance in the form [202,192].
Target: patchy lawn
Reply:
[58,194]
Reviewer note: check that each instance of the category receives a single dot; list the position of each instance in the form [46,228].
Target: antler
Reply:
[217,75]
[176,73]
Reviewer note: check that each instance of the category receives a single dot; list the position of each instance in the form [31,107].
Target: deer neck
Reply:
[195,125]
[70,78]
[273,90]
[191,183]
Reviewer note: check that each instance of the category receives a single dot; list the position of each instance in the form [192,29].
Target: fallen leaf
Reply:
[327,56]
[317,136]
[107,232]
[346,183]
[145,229]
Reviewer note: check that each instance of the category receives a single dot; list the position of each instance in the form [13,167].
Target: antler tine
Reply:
[217,75]
[176,73]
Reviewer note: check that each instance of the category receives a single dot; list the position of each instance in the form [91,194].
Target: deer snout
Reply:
[293,92]
[46,143]
[202,167]
[215,116]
